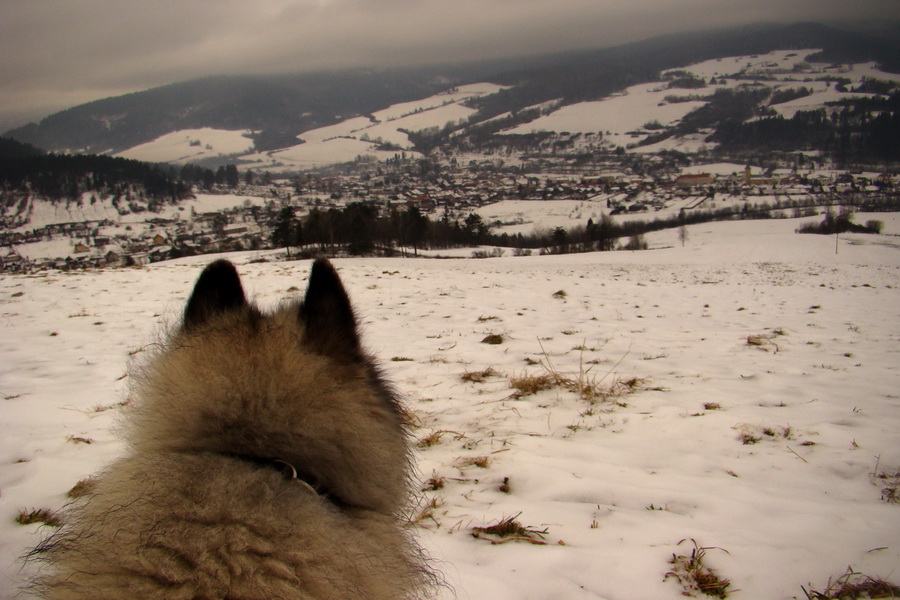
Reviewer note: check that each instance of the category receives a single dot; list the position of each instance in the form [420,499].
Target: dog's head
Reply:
[294,385]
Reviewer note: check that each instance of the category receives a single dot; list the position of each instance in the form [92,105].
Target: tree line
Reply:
[362,229]
[68,176]
[857,130]
[366,229]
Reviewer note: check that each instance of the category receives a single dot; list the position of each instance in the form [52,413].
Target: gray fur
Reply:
[198,508]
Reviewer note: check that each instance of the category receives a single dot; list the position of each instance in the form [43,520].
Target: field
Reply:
[585,425]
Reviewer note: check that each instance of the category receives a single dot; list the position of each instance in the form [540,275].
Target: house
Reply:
[755,181]
[693,180]
[113,259]
[10,260]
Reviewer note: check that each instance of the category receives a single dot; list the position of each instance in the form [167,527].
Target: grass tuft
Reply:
[40,515]
[694,576]
[482,462]
[509,529]
[890,480]
[435,437]
[434,483]
[528,385]
[589,387]
[854,586]
[478,376]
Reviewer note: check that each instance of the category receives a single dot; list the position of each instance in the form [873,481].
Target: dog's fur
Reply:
[204,506]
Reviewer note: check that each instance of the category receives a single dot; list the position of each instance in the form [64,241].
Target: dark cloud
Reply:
[54,54]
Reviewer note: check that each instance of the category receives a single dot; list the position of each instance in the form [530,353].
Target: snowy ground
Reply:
[191,145]
[630,115]
[615,484]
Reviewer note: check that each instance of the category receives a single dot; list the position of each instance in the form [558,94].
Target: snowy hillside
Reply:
[380,136]
[615,116]
[738,393]
[191,145]
[630,116]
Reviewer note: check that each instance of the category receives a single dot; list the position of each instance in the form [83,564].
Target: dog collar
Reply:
[282,466]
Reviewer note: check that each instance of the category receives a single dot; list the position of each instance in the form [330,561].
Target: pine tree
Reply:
[286,227]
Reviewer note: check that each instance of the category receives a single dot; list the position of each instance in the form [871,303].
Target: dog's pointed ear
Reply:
[218,290]
[327,316]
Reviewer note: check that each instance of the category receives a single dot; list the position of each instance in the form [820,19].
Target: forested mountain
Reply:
[277,108]
[594,74]
[25,169]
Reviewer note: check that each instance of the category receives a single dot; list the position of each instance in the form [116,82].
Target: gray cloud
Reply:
[57,53]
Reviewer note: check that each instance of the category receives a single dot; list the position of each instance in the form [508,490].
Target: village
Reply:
[223,219]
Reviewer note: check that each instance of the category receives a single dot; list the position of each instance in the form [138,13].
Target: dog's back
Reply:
[268,460]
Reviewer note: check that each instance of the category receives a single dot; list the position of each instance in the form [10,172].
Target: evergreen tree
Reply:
[286,227]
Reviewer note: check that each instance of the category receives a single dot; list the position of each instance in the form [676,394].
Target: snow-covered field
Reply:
[362,136]
[766,452]
[616,115]
[622,116]
[191,145]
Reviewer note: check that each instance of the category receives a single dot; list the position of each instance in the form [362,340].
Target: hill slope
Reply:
[764,452]
[279,108]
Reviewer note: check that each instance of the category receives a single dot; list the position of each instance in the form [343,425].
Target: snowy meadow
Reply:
[620,426]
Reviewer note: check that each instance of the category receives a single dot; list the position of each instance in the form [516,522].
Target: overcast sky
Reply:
[58,53]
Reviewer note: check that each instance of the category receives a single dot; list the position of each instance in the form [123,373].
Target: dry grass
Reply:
[753,434]
[435,437]
[479,376]
[854,586]
[694,576]
[40,515]
[482,462]
[509,529]
[890,480]
[427,513]
[764,341]
[528,385]
[434,483]
[588,386]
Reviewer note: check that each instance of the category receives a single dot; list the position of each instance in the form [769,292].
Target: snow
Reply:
[191,145]
[715,169]
[793,509]
[621,117]
[458,94]
[818,99]
[614,116]
[317,154]
[690,144]
[783,60]
[524,216]
[361,136]
[434,117]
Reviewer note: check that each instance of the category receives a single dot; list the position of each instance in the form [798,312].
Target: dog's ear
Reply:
[327,316]
[218,290]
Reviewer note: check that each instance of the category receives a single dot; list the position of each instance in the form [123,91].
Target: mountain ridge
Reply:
[279,108]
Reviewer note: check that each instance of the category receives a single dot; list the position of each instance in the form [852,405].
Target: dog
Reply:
[268,458]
